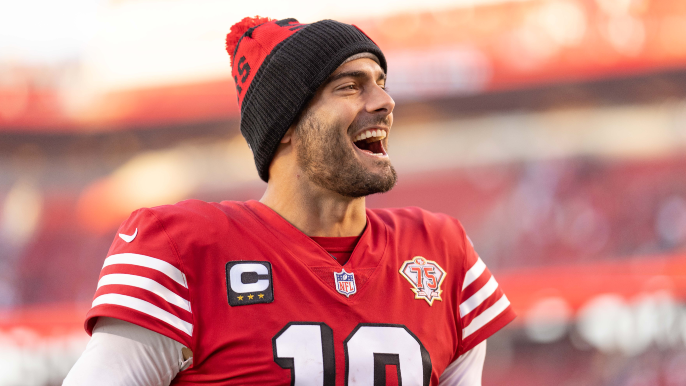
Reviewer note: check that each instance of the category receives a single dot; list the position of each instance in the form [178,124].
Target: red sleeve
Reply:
[142,281]
[484,308]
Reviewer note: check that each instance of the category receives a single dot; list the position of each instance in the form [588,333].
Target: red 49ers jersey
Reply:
[259,302]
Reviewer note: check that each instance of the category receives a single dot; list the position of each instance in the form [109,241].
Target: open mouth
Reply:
[369,141]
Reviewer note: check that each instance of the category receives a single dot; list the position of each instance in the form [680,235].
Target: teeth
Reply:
[375,134]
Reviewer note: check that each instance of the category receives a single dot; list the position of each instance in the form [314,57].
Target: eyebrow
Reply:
[352,74]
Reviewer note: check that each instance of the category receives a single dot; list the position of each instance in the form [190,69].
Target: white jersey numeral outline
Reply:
[307,349]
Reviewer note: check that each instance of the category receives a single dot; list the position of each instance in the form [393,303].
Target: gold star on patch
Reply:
[251,296]
[260,296]
[240,297]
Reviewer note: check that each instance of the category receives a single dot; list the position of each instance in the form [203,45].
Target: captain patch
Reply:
[249,282]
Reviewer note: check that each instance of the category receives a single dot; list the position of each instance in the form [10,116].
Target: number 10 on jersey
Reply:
[307,349]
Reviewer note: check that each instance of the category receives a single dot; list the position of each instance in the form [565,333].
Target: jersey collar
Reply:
[367,254]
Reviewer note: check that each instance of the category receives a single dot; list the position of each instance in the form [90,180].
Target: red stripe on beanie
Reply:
[253,46]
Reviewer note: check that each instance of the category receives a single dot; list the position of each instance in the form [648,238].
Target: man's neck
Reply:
[316,211]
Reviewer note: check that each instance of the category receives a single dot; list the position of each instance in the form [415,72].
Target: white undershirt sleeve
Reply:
[124,354]
[467,369]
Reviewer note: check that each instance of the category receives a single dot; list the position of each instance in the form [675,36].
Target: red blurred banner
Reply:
[458,51]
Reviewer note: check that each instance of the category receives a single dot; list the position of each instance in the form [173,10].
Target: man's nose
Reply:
[379,101]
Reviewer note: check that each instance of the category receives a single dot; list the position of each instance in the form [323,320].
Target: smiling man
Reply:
[306,286]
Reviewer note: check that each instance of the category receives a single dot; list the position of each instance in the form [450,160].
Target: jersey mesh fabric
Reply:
[177,283]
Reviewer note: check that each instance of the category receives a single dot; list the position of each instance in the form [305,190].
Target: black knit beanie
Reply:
[278,65]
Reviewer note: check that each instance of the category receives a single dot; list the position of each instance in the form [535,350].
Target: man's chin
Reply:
[367,183]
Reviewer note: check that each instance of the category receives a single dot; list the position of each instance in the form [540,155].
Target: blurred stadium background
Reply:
[555,130]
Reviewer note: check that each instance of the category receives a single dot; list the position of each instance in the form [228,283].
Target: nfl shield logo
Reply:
[345,283]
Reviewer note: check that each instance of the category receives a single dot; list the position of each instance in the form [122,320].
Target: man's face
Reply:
[342,137]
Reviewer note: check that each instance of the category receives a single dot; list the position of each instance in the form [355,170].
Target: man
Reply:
[306,286]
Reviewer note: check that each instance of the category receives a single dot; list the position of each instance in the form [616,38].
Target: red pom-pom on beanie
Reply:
[238,29]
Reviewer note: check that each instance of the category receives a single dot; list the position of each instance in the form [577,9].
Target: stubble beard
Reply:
[327,160]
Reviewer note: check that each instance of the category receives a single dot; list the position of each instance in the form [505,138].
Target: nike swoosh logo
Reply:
[128,238]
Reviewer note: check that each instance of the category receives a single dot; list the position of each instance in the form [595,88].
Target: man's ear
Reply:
[288,136]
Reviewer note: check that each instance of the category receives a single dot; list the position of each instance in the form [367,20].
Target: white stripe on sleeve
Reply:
[489,314]
[474,273]
[146,308]
[148,262]
[475,300]
[148,285]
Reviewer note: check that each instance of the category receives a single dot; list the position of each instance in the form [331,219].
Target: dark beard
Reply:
[325,157]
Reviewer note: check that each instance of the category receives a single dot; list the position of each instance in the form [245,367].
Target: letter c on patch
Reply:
[236,274]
